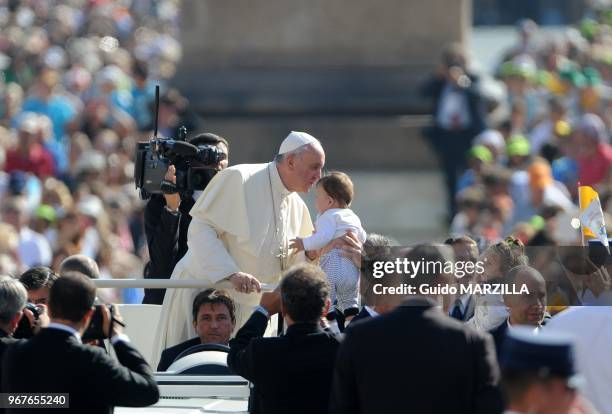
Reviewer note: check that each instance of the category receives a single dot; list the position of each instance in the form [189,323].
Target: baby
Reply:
[334,194]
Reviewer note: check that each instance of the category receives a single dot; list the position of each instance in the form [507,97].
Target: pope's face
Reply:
[306,169]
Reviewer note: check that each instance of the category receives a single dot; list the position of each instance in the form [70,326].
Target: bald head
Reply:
[526,308]
[81,264]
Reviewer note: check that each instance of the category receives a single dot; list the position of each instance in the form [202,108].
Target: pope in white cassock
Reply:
[240,232]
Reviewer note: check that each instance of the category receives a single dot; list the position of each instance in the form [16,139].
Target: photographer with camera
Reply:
[167,217]
[38,281]
[16,312]
[94,381]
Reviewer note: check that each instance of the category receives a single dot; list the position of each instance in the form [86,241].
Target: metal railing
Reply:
[165,284]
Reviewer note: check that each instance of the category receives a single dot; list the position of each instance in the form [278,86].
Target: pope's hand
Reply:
[245,283]
[297,244]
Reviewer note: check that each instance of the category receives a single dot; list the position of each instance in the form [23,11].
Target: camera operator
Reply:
[94,381]
[167,220]
[13,297]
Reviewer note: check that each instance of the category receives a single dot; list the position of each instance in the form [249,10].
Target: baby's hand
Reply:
[297,244]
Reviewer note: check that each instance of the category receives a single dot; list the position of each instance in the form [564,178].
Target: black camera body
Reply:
[95,329]
[195,166]
[24,329]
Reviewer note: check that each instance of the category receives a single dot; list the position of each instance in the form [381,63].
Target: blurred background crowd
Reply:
[77,88]
[530,136]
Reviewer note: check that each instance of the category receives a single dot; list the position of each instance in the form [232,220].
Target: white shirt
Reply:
[591,327]
[65,328]
[541,134]
[463,303]
[77,335]
[536,329]
[33,248]
[453,109]
[371,311]
[489,312]
[334,223]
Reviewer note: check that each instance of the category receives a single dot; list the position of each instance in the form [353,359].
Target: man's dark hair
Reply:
[557,104]
[38,277]
[208,138]
[304,291]
[454,55]
[451,241]
[496,175]
[71,296]
[81,264]
[214,297]
[140,69]
[433,256]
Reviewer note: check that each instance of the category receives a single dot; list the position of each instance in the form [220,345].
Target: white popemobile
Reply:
[199,382]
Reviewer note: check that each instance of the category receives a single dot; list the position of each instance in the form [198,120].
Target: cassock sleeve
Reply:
[203,236]
[220,209]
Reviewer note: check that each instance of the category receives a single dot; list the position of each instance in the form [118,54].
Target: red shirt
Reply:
[592,170]
[39,161]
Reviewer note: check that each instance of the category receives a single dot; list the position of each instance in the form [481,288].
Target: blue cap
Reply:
[548,354]
[17,182]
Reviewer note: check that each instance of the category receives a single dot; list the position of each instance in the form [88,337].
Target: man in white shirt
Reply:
[33,248]
[465,250]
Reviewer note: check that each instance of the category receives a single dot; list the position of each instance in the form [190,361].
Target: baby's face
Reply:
[323,201]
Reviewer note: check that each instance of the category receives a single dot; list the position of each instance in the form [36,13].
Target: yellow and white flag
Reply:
[591,215]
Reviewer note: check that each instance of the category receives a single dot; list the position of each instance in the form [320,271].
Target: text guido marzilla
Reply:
[448,289]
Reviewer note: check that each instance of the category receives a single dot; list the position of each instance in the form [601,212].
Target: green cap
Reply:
[518,145]
[481,152]
[591,76]
[45,212]
[537,222]
[520,69]
[572,74]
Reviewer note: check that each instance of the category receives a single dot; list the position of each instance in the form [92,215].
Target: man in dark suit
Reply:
[465,250]
[459,115]
[167,221]
[526,309]
[61,363]
[365,313]
[416,357]
[214,319]
[13,298]
[291,373]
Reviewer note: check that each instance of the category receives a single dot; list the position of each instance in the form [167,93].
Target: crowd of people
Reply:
[514,155]
[77,90]
[77,96]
